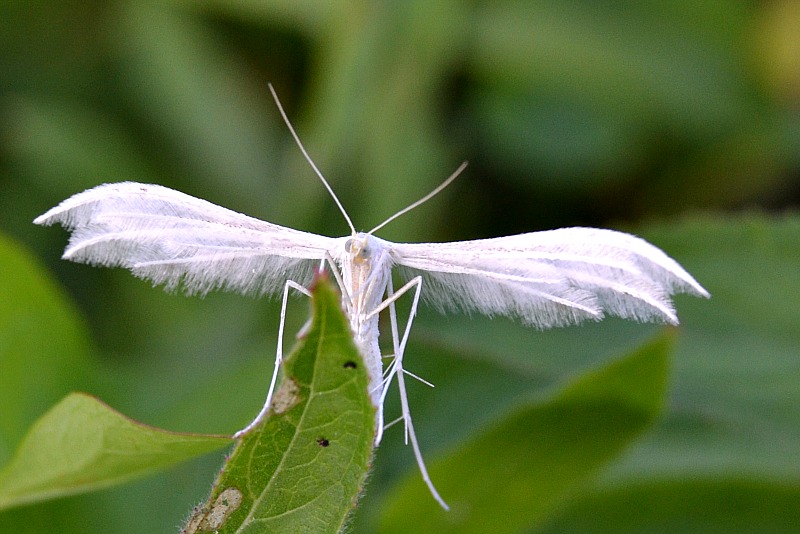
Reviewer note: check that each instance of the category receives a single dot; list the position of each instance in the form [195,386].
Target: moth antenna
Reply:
[309,160]
[424,199]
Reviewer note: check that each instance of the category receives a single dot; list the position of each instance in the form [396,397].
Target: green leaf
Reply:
[303,469]
[514,474]
[82,445]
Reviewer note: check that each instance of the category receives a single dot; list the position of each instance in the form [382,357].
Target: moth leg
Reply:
[396,369]
[398,345]
[347,299]
[290,284]
[413,438]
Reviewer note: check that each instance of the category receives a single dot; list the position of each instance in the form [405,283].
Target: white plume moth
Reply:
[544,279]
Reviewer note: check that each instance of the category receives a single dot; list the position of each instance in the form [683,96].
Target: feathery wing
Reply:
[181,241]
[551,278]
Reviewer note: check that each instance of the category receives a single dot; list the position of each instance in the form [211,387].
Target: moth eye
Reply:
[348,245]
[365,252]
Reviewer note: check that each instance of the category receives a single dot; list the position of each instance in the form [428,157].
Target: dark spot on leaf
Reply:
[350,364]
[322,442]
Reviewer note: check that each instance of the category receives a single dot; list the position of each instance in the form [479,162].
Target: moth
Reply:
[544,279]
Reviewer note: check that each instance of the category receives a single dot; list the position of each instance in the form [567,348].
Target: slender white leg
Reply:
[290,284]
[397,344]
[414,444]
[396,369]
[400,350]
[347,298]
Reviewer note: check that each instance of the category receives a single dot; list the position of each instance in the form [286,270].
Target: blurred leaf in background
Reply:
[44,346]
[81,445]
[519,470]
[610,114]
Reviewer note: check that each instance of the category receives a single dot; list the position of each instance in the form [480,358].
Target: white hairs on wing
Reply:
[180,241]
[551,278]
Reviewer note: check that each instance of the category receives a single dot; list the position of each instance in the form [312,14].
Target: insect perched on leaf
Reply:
[544,279]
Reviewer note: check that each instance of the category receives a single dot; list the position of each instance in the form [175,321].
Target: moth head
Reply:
[359,248]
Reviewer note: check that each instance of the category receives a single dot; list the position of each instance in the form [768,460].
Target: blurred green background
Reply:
[679,121]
